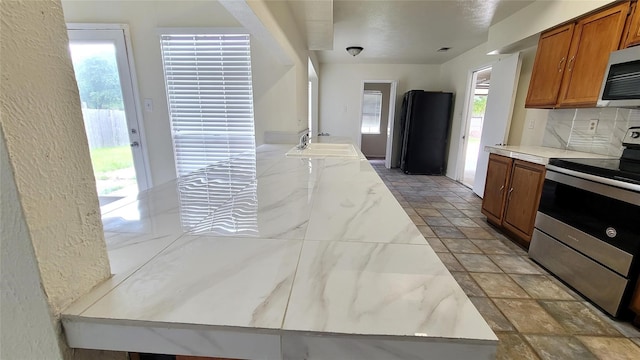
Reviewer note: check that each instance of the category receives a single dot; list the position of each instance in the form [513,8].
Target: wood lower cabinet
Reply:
[495,189]
[633,35]
[523,198]
[512,195]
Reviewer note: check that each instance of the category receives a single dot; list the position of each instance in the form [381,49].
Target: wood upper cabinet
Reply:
[548,67]
[633,36]
[594,38]
[523,198]
[571,60]
[495,188]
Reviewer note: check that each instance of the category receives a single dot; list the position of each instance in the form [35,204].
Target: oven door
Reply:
[606,213]
[587,235]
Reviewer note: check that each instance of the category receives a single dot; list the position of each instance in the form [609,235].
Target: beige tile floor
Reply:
[534,315]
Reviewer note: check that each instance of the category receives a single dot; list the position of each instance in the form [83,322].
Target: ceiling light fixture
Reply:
[354,50]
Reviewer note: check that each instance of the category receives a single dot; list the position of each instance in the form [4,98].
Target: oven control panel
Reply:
[632,138]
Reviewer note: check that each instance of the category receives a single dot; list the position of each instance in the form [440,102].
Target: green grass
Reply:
[111,159]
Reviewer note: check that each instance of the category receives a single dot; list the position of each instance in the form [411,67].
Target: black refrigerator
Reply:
[425,121]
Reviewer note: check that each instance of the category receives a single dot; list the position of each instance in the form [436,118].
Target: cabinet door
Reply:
[594,38]
[633,37]
[548,67]
[523,198]
[498,172]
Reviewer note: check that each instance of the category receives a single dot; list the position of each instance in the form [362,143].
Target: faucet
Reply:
[304,142]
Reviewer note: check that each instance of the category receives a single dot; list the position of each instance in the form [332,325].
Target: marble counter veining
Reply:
[274,257]
[540,154]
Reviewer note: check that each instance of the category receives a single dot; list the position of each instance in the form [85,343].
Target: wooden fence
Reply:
[105,128]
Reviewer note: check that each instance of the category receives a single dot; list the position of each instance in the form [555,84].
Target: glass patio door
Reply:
[109,111]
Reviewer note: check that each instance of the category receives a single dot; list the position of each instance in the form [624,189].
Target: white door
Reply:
[105,81]
[497,117]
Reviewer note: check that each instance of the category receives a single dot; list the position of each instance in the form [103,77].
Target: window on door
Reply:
[105,82]
[371,111]
[209,92]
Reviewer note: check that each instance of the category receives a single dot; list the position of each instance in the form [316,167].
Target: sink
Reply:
[325,150]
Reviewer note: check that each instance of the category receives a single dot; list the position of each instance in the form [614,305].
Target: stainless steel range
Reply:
[587,229]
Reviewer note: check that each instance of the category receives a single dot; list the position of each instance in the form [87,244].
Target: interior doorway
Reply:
[105,83]
[476,107]
[377,119]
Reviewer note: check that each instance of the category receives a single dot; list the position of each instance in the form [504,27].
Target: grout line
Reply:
[397,178]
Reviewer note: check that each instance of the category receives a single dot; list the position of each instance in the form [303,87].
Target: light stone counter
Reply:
[269,257]
[540,154]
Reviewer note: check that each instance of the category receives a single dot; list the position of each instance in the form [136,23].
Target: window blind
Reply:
[210,98]
[371,112]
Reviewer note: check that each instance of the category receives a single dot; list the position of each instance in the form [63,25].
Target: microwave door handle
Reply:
[560,63]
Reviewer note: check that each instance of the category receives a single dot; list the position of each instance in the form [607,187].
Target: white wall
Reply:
[527,125]
[277,17]
[270,78]
[24,311]
[455,77]
[341,92]
[50,213]
[314,97]
[535,18]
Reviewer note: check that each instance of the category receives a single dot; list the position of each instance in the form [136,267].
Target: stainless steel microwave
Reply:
[621,84]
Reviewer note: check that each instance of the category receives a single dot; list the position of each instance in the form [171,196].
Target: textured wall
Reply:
[26,330]
[47,147]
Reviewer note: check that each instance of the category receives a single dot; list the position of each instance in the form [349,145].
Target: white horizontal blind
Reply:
[371,112]
[209,91]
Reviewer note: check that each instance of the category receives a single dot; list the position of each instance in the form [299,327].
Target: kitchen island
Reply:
[275,257]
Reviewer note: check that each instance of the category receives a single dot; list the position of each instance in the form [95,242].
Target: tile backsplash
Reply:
[568,129]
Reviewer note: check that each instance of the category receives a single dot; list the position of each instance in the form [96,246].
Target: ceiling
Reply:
[399,31]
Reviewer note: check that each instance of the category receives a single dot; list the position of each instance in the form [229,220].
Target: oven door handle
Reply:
[595,184]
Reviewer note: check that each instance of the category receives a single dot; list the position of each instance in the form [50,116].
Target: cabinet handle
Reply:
[571,62]
[501,188]
[509,193]
[560,64]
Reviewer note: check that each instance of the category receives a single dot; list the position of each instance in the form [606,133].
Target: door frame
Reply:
[466,112]
[391,116]
[143,170]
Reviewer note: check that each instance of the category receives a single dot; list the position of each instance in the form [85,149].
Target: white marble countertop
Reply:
[540,154]
[270,257]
